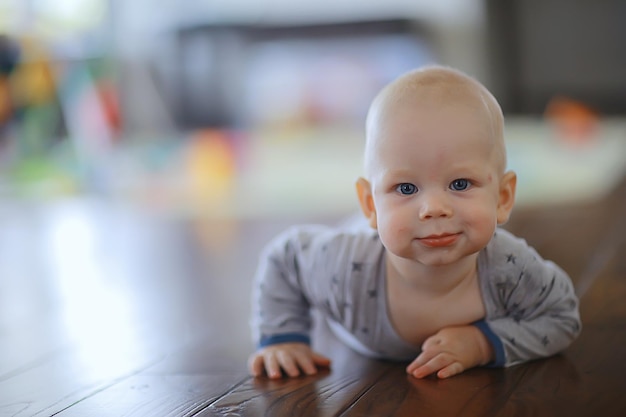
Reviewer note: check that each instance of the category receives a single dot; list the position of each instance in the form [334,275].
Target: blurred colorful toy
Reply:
[575,121]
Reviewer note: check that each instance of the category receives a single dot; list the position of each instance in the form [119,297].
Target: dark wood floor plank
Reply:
[181,382]
[156,395]
[474,393]
[203,356]
[91,294]
[577,383]
[326,394]
[57,384]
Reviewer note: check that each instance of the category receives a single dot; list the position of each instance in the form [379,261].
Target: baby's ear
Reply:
[366,200]
[506,197]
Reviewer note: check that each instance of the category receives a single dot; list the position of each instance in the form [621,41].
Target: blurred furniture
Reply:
[540,49]
[225,70]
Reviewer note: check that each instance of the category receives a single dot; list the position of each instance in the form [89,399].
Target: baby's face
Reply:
[435,181]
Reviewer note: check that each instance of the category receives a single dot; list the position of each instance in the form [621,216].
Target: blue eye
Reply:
[460,185]
[406,188]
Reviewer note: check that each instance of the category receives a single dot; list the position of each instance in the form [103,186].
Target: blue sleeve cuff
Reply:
[284,338]
[495,342]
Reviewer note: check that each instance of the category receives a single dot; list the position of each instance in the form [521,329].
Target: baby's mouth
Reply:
[441,240]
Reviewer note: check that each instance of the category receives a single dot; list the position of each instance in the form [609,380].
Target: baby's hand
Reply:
[451,351]
[293,358]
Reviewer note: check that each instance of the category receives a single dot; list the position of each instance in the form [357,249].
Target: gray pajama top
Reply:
[531,308]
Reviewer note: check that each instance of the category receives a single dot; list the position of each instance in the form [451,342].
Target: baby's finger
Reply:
[255,365]
[435,364]
[450,370]
[272,367]
[422,359]
[305,362]
[288,364]
[321,360]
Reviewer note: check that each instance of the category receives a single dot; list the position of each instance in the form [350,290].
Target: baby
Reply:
[434,281]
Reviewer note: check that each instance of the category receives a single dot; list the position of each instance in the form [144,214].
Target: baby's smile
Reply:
[441,240]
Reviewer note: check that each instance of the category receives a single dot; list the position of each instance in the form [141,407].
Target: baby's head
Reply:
[435,164]
[433,88]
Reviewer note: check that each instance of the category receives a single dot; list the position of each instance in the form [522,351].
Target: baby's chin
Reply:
[435,257]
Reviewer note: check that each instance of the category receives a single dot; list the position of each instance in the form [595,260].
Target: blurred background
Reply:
[245,108]
[150,148]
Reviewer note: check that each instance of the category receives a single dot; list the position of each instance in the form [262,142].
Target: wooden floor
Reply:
[110,311]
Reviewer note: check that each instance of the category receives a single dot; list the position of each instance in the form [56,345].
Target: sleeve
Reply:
[280,309]
[536,310]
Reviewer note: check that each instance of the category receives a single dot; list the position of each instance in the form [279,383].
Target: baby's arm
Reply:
[539,321]
[532,313]
[451,351]
[532,309]
[281,318]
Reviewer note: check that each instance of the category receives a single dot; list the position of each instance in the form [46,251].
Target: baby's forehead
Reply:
[436,86]
[434,89]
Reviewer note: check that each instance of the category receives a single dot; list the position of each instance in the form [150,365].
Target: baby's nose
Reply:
[434,205]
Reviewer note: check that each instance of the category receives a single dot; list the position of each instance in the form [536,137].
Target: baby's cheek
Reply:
[484,227]
[387,230]
[397,239]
